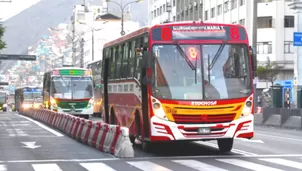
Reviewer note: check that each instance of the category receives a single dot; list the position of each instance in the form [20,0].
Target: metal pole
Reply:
[92,42]
[122,22]
[82,54]
[254,37]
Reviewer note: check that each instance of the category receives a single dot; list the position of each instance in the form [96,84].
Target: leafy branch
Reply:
[268,72]
[2,43]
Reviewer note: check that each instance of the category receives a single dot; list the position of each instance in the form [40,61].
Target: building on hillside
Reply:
[93,29]
[161,11]
[275,26]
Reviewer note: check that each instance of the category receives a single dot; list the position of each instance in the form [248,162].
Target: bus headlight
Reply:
[36,105]
[158,109]
[4,105]
[247,109]
[26,106]
[91,102]
[53,102]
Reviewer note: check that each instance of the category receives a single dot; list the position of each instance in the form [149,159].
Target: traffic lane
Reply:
[186,148]
[271,141]
[15,125]
[41,146]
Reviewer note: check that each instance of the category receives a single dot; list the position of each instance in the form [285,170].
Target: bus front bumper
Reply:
[84,111]
[163,130]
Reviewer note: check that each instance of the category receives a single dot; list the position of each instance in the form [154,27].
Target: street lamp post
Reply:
[122,7]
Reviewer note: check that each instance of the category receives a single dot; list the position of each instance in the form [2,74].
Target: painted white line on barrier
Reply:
[233,150]
[273,136]
[43,126]
[60,160]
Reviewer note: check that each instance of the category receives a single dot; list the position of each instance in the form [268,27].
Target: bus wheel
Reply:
[86,116]
[146,146]
[132,139]
[225,145]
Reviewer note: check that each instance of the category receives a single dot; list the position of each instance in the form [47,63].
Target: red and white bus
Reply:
[181,81]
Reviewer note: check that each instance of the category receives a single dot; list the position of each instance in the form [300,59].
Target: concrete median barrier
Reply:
[107,138]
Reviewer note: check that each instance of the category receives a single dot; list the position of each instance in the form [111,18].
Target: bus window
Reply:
[124,72]
[119,60]
[131,65]
[138,60]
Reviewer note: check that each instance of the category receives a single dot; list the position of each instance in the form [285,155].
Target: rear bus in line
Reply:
[28,97]
[184,81]
[69,90]
[96,68]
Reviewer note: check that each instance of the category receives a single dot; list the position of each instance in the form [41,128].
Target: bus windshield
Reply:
[226,77]
[32,94]
[72,87]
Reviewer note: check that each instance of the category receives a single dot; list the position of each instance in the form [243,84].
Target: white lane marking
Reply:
[31,145]
[249,140]
[285,138]
[43,126]
[148,166]
[60,160]
[198,165]
[96,167]
[248,165]
[284,162]
[3,168]
[245,153]
[46,167]
[21,133]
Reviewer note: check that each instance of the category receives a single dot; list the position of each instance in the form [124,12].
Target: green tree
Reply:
[2,43]
[268,72]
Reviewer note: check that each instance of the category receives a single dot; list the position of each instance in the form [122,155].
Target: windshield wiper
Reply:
[217,55]
[184,55]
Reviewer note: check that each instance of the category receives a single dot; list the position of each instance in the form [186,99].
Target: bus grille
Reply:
[203,118]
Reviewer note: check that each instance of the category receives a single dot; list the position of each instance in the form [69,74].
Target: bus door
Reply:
[144,80]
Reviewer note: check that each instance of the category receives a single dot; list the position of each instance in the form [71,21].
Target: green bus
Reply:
[69,90]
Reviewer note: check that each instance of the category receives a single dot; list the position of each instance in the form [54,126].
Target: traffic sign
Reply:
[18,57]
[287,84]
[297,38]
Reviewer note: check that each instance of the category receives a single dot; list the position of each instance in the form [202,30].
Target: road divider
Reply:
[112,139]
[279,117]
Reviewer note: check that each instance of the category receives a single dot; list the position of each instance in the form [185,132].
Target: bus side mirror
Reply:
[253,56]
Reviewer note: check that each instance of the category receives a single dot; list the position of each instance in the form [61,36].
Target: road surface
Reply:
[28,145]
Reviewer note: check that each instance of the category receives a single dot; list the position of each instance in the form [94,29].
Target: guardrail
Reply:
[107,138]
[279,117]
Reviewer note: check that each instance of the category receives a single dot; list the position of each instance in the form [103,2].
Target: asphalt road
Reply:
[28,145]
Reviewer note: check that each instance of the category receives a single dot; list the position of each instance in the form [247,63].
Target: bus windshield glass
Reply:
[72,87]
[225,77]
[32,94]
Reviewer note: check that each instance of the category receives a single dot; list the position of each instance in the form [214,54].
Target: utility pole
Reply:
[82,53]
[92,50]
[254,37]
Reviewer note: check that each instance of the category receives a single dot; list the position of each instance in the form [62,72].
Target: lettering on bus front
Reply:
[204,103]
[204,32]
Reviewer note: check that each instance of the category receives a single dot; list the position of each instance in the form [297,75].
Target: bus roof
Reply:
[148,28]
[92,62]
[28,87]
[64,68]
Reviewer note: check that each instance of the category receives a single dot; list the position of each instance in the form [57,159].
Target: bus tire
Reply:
[146,146]
[86,116]
[112,117]
[4,109]
[225,145]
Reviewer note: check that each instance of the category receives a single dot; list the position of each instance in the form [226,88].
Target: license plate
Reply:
[204,131]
